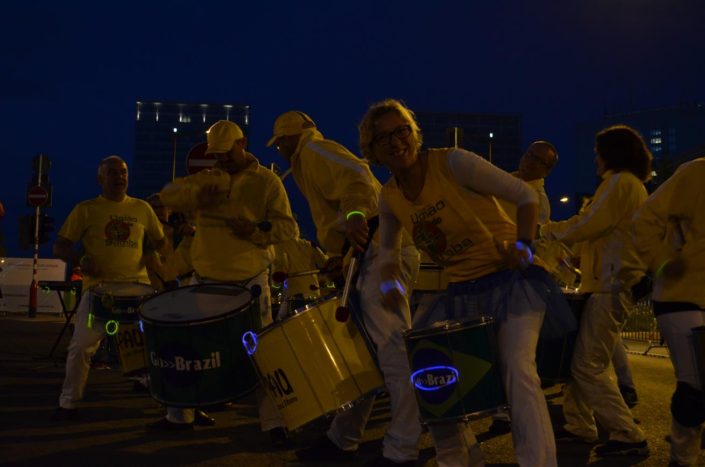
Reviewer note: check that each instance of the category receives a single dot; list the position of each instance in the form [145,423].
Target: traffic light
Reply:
[46,226]
[26,230]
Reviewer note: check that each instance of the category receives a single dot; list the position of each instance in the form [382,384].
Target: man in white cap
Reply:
[241,210]
[342,194]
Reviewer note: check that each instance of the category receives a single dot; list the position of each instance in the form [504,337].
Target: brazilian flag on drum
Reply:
[455,370]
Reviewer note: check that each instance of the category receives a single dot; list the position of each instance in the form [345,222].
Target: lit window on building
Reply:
[655,132]
[204,107]
[655,140]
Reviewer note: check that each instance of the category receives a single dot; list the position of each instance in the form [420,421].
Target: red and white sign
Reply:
[197,159]
[37,196]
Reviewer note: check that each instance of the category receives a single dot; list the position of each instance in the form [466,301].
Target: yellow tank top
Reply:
[459,229]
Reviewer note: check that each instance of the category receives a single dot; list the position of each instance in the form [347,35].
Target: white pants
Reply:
[385,327]
[84,344]
[268,416]
[621,365]
[532,432]
[676,330]
[593,393]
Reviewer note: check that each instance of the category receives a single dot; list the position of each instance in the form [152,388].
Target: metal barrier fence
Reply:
[641,326]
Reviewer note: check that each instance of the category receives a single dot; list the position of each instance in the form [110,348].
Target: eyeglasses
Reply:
[385,139]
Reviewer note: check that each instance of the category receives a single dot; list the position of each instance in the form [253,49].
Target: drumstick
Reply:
[286,173]
[281,276]
[342,313]
[264,226]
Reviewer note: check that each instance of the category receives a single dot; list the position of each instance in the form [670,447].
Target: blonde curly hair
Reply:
[367,125]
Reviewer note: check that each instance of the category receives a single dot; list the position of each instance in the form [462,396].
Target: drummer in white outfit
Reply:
[444,198]
[112,228]
[241,210]
[669,231]
[342,194]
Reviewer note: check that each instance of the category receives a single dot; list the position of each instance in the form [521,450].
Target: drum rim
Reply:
[450,325]
[465,417]
[240,395]
[195,321]
[340,409]
[93,290]
[298,312]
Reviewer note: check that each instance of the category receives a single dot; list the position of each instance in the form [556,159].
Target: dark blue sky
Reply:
[70,73]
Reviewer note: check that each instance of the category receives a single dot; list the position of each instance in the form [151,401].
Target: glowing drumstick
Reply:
[286,173]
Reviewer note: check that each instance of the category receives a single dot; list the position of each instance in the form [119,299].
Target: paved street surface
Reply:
[110,430]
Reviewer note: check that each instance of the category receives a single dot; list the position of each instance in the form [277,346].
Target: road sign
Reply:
[37,196]
[197,159]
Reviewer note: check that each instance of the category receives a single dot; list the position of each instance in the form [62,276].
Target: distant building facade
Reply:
[674,135]
[495,137]
[165,132]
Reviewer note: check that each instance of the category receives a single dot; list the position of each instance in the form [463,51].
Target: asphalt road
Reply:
[110,430]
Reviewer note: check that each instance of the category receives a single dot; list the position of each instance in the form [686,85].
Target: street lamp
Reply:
[173,157]
[490,146]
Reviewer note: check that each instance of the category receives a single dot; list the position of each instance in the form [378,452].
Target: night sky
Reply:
[70,72]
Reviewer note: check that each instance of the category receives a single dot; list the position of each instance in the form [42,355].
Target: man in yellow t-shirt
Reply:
[112,229]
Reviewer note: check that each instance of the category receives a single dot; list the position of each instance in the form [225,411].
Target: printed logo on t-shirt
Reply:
[117,231]
[429,237]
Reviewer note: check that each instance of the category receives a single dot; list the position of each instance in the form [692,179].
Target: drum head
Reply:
[123,289]
[196,303]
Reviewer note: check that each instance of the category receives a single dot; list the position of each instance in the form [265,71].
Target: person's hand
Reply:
[357,231]
[515,255]
[391,286]
[186,230]
[393,294]
[333,268]
[209,195]
[89,266]
[241,227]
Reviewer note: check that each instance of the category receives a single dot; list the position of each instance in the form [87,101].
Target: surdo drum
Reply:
[554,356]
[312,365]
[192,342]
[113,303]
[455,370]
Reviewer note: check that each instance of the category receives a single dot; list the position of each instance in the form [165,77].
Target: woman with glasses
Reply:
[445,199]
[610,267]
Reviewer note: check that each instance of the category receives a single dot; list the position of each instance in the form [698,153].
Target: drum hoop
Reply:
[93,290]
[465,417]
[313,304]
[454,325]
[201,321]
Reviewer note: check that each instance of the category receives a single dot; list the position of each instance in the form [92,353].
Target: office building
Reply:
[495,137]
[165,133]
